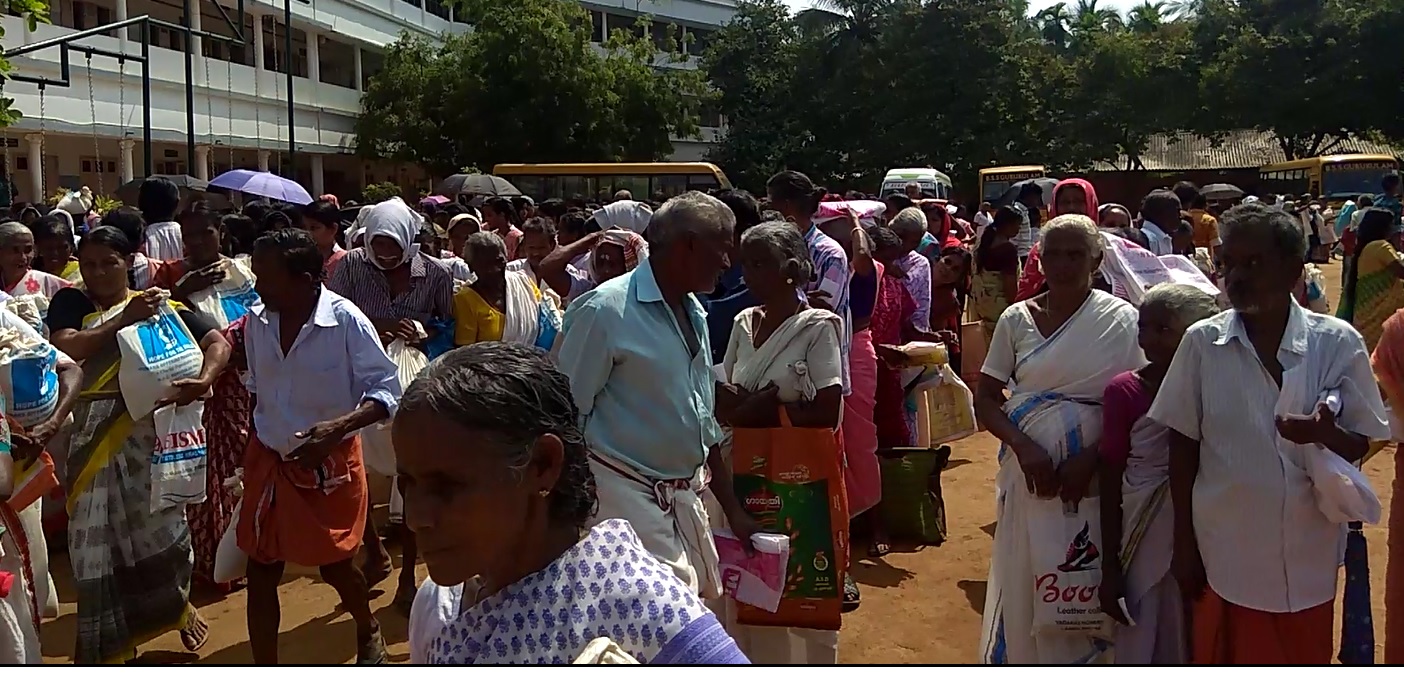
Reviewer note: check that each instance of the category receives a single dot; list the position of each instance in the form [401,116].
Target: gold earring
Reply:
[789,280]
[544,493]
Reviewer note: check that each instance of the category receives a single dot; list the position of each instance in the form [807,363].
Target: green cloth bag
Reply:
[912,506]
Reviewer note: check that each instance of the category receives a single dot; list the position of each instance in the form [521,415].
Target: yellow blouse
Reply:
[475,319]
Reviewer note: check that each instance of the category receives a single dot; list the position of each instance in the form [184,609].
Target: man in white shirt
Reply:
[982,218]
[158,201]
[1029,205]
[318,374]
[1252,547]
[1160,214]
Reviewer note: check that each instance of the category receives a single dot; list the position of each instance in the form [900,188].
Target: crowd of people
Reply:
[583,376]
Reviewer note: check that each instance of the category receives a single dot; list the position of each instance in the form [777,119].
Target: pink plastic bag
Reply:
[757,580]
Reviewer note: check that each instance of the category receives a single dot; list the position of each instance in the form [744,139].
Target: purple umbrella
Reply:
[263,184]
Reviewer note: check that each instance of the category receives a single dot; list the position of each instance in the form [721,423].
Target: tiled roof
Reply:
[1239,150]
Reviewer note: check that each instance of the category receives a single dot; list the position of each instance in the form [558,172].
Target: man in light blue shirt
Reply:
[636,350]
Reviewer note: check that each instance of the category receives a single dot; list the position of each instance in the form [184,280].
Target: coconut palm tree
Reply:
[1088,17]
[1053,25]
[843,27]
[1147,16]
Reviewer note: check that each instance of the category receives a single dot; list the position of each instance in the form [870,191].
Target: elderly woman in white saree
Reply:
[1055,354]
[1134,478]
[783,354]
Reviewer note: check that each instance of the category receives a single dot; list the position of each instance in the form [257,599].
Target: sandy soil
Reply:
[919,605]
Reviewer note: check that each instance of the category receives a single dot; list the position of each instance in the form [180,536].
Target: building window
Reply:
[700,40]
[597,32]
[95,166]
[459,17]
[664,35]
[624,22]
[371,64]
[338,63]
[437,8]
[22,164]
[87,15]
[414,3]
[172,167]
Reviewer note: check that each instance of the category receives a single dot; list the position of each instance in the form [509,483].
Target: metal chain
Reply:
[258,102]
[278,87]
[92,111]
[229,97]
[43,179]
[122,114]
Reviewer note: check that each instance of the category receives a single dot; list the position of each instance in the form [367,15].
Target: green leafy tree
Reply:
[1282,67]
[33,12]
[527,85]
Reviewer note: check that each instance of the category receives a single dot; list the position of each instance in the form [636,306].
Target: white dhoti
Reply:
[668,517]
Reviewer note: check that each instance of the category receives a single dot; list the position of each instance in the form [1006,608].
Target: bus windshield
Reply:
[1349,181]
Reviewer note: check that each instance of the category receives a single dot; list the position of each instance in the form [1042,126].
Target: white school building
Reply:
[90,133]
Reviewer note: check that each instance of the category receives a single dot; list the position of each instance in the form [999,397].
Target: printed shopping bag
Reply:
[28,377]
[155,353]
[1067,556]
[789,479]
[179,462]
[230,298]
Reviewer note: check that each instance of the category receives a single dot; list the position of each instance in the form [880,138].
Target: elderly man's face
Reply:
[1257,275]
[708,255]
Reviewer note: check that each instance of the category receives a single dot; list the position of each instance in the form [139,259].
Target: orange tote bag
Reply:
[791,481]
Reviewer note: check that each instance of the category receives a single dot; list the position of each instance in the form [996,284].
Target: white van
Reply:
[934,183]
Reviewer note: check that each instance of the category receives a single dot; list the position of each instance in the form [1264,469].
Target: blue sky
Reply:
[1034,5]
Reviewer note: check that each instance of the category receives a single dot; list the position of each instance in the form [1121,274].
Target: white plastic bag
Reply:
[155,352]
[377,449]
[28,377]
[1343,493]
[757,580]
[179,462]
[231,298]
[231,563]
[1066,551]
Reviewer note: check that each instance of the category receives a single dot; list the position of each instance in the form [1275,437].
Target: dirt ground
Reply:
[919,606]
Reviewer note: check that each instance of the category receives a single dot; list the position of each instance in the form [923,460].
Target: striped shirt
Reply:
[831,273]
[430,295]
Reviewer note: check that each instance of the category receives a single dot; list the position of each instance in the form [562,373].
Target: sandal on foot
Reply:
[191,636]
[879,549]
[372,651]
[851,596]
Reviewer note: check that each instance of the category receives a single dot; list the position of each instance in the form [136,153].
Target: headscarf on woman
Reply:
[358,227]
[634,245]
[395,220]
[627,215]
[1031,280]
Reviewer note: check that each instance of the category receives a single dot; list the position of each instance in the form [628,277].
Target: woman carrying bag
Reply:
[784,360]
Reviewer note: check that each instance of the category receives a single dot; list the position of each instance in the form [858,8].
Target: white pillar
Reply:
[356,62]
[263,160]
[314,55]
[128,165]
[257,41]
[202,163]
[36,167]
[319,186]
[121,15]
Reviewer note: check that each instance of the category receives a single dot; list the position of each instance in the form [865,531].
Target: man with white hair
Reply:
[636,351]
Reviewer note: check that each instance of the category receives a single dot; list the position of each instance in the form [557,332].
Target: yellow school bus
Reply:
[1338,177]
[601,180]
[995,180]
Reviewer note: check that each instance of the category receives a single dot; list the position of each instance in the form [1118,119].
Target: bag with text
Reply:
[28,378]
[179,461]
[231,298]
[790,480]
[155,352]
[1067,554]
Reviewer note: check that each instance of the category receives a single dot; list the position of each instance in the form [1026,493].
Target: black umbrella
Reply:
[128,191]
[1221,191]
[477,184]
[1012,193]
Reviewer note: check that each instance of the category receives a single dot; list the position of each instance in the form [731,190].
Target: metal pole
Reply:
[189,89]
[288,59]
[146,97]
